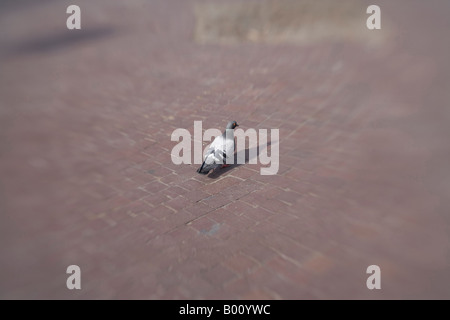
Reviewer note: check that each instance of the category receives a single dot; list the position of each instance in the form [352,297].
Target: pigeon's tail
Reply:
[203,168]
[206,168]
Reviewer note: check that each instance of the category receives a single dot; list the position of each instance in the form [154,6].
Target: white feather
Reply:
[218,147]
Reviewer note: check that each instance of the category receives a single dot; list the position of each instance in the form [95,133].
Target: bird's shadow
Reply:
[220,171]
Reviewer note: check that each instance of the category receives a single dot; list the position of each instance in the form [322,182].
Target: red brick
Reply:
[198,209]
[258,294]
[260,253]
[287,248]
[242,172]
[238,207]
[205,226]
[172,192]
[237,191]
[240,287]
[160,212]
[178,203]
[196,195]
[154,200]
[135,194]
[241,264]
[273,205]
[289,271]
[318,264]
[192,184]
[257,214]
[219,275]
[170,179]
[216,201]
[220,184]
[158,170]
[154,186]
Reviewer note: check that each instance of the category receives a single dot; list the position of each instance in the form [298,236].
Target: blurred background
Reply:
[86,176]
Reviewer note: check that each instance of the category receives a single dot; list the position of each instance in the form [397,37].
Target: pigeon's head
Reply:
[232,125]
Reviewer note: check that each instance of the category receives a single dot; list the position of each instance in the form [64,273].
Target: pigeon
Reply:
[221,149]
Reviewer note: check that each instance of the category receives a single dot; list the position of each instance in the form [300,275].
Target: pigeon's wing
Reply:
[217,147]
[217,143]
[223,149]
[229,148]
[209,162]
[210,157]
[218,152]
[208,154]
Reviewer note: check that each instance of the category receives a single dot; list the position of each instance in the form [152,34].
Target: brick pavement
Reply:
[86,175]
